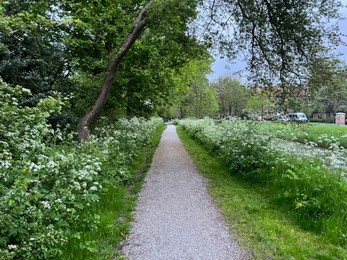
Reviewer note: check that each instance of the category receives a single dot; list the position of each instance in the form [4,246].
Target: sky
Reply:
[236,69]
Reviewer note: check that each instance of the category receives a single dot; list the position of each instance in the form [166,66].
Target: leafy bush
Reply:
[311,193]
[48,180]
[242,145]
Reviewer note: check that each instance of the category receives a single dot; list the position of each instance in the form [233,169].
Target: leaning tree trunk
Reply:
[89,118]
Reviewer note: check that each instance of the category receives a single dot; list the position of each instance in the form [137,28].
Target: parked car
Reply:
[298,117]
[283,119]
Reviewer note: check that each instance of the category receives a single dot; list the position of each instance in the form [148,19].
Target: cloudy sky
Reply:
[236,69]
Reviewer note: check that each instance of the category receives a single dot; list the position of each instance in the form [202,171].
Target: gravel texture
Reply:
[175,217]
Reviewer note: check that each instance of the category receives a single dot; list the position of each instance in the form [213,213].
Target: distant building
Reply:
[322,115]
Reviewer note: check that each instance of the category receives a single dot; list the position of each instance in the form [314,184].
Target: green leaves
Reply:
[232,96]
[328,85]
[280,39]
[46,189]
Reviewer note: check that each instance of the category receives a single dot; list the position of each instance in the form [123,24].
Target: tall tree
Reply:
[260,102]
[184,81]
[32,52]
[279,38]
[232,96]
[200,100]
[282,37]
[328,86]
[151,74]
[138,27]
[176,13]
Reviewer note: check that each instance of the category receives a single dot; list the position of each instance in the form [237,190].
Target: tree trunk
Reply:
[90,117]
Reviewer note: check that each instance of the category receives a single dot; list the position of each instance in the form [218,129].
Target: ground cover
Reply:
[115,209]
[303,196]
[52,188]
[323,135]
[326,142]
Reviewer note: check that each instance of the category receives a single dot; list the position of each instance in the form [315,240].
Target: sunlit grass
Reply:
[309,132]
[262,225]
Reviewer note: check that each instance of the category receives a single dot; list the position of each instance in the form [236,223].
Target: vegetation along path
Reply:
[175,216]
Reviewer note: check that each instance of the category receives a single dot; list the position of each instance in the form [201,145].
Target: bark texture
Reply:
[90,117]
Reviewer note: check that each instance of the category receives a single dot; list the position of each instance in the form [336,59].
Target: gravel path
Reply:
[175,217]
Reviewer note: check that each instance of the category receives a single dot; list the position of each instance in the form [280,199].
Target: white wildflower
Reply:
[10,247]
[93,188]
[5,164]
[51,164]
[46,204]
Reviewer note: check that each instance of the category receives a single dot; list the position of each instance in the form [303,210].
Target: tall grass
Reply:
[314,197]
[264,226]
[322,135]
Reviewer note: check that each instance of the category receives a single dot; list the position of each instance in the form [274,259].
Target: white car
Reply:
[298,117]
[283,119]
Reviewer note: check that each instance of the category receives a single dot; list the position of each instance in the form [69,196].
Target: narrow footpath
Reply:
[175,217]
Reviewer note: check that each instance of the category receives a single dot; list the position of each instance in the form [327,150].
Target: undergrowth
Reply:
[311,195]
[115,209]
[268,221]
[54,190]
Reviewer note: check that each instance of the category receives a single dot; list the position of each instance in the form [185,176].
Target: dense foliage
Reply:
[279,38]
[314,196]
[232,96]
[200,100]
[54,57]
[328,86]
[67,46]
[48,180]
[61,46]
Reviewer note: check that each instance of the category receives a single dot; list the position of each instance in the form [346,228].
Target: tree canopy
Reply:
[328,86]
[279,38]
[232,96]
[134,51]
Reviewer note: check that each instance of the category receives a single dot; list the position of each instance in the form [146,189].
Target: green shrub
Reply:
[49,181]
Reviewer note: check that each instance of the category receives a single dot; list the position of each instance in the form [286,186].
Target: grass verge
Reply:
[321,134]
[251,213]
[115,210]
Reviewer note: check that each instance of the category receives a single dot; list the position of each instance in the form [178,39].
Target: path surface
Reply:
[175,217]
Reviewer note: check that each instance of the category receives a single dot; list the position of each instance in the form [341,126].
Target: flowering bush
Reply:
[298,181]
[48,180]
[244,146]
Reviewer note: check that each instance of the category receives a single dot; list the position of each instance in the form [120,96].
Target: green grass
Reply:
[261,225]
[340,132]
[115,210]
[311,132]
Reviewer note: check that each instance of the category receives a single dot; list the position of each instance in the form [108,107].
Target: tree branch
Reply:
[90,117]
